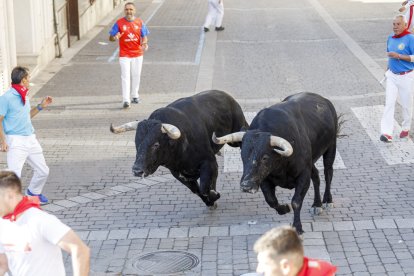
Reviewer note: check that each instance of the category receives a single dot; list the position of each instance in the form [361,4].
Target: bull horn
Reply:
[125,127]
[229,138]
[276,141]
[172,131]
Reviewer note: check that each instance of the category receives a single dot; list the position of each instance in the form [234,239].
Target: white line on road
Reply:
[400,151]
[376,70]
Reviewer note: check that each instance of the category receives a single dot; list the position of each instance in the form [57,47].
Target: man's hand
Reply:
[144,46]
[46,101]
[393,55]
[3,146]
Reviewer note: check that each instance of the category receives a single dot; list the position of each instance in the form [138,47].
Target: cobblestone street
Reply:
[270,49]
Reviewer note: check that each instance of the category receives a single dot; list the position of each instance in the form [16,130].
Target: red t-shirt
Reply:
[313,267]
[130,40]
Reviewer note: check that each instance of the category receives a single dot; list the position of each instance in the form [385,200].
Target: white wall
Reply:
[94,14]
[7,43]
[34,32]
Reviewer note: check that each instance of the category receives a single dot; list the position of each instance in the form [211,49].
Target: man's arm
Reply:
[43,104]
[3,143]
[79,252]
[4,267]
[144,43]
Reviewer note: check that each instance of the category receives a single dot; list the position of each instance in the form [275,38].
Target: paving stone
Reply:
[66,203]
[343,225]
[361,225]
[158,233]
[52,208]
[199,232]
[322,226]
[118,234]
[80,199]
[385,223]
[93,195]
[98,235]
[219,231]
[181,232]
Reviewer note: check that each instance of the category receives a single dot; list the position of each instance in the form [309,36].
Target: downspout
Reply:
[55,23]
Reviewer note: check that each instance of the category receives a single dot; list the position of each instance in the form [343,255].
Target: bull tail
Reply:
[340,125]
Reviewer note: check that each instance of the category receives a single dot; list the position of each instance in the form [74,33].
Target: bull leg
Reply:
[302,187]
[193,186]
[208,178]
[317,202]
[328,161]
[269,192]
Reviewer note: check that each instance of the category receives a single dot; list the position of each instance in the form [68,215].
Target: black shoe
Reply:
[218,29]
[206,29]
[386,138]
[126,105]
[135,101]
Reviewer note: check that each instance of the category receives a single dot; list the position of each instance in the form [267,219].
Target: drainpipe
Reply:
[55,23]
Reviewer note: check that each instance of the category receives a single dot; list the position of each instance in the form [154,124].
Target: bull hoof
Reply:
[213,195]
[328,206]
[316,210]
[283,209]
[213,207]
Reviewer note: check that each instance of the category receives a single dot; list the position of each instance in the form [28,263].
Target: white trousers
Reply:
[22,148]
[130,76]
[215,13]
[398,85]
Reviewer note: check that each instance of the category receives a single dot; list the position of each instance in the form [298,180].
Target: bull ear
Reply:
[276,141]
[125,127]
[172,131]
[229,138]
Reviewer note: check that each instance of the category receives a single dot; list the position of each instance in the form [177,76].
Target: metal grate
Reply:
[166,262]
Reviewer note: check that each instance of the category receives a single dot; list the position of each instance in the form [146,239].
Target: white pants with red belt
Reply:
[130,76]
[22,148]
[398,85]
[215,13]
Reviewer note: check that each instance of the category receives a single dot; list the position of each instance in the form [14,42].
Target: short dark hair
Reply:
[129,3]
[18,73]
[9,179]
[280,242]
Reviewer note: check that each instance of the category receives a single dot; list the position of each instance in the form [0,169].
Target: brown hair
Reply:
[280,242]
[9,180]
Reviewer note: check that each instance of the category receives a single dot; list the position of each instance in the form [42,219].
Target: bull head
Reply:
[256,152]
[151,143]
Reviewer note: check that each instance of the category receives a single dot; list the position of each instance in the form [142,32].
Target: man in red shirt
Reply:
[280,252]
[131,33]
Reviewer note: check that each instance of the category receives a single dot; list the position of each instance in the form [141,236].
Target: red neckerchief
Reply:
[405,32]
[26,203]
[21,90]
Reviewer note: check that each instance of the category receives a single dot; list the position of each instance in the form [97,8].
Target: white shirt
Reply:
[45,258]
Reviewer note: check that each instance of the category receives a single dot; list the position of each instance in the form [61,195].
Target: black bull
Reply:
[178,137]
[281,146]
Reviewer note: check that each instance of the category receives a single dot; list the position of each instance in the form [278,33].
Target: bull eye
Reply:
[265,158]
[156,145]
